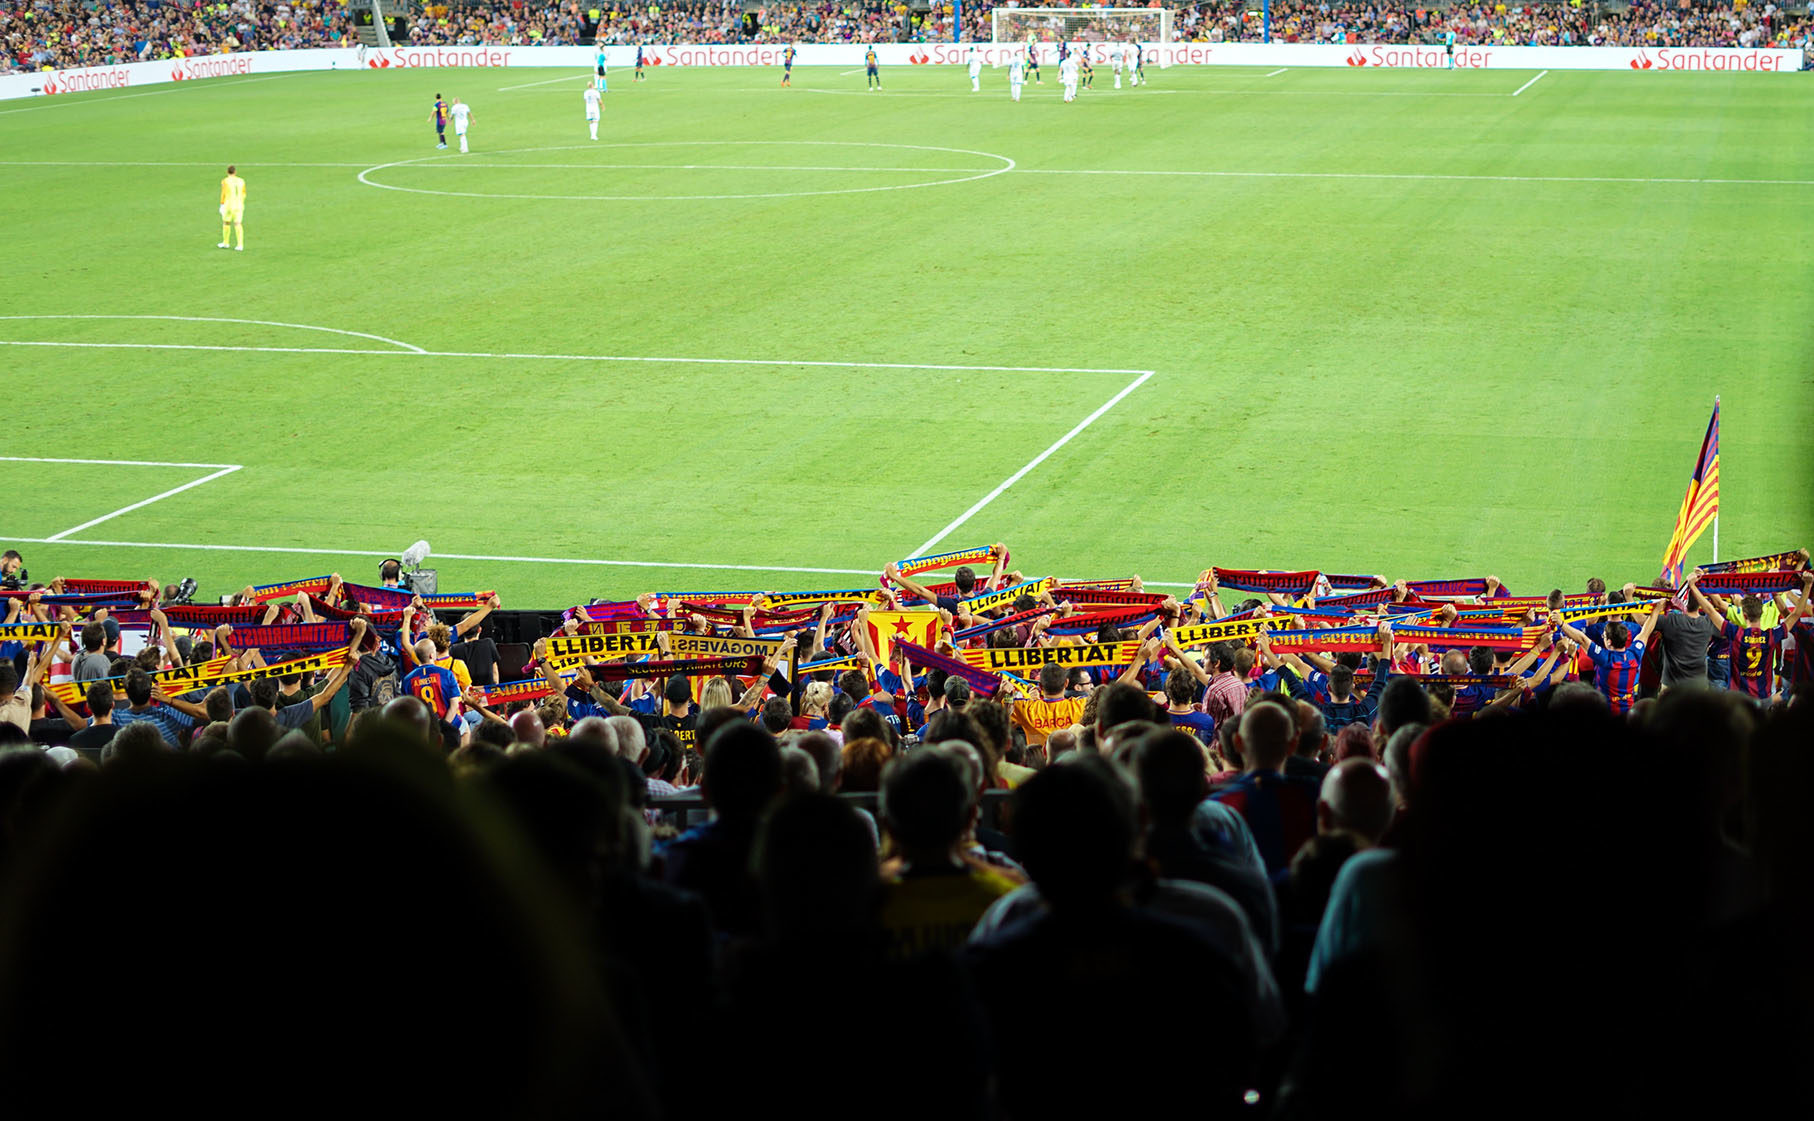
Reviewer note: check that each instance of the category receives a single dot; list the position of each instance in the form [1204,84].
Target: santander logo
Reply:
[378,63]
[1642,62]
[919,59]
[176,74]
[1357,59]
[51,86]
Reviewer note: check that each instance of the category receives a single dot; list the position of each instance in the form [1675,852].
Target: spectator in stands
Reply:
[933,894]
[1280,809]
[742,775]
[1174,993]
[172,718]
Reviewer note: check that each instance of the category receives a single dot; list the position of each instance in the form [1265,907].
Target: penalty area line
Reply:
[1001,489]
[58,537]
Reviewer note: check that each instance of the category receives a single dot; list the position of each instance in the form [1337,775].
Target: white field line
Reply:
[1001,489]
[216,319]
[1276,73]
[548,82]
[176,87]
[478,557]
[110,462]
[454,556]
[580,357]
[1414,176]
[159,163]
[481,166]
[58,537]
[1389,175]
[1529,84]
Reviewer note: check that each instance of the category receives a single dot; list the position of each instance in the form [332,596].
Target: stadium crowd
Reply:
[49,34]
[1294,845]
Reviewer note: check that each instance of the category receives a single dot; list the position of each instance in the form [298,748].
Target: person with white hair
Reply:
[631,743]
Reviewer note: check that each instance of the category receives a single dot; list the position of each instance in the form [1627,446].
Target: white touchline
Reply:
[1529,84]
[548,82]
[215,319]
[414,353]
[1036,461]
[137,505]
[454,556]
[112,462]
[1277,72]
[587,561]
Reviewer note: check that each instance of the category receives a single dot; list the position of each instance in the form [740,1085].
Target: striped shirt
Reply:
[1616,673]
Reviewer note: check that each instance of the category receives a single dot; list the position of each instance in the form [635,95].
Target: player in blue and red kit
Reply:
[1616,664]
[440,121]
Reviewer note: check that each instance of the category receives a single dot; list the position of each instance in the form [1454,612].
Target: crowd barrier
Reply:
[1388,56]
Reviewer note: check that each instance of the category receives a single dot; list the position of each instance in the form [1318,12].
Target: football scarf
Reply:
[1348,583]
[1749,583]
[1252,580]
[932,562]
[84,601]
[1452,589]
[1221,630]
[569,648]
[1088,654]
[1770,562]
[29,632]
[1072,593]
[781,601]
[314,585]
[74,586]
[989,601]
[981,682]
[695,667]
[199,616]
[1081,586]
[1572,615]
[291,636]
[1094,621]
[395,599]
[201,677]
[180,679]
[1354,600]
[992,625]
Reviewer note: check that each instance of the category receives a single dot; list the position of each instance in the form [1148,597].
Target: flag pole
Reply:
[1716,509]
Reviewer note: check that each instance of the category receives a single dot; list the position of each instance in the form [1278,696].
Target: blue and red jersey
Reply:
[434,686]
[1616,673]
[1754,652]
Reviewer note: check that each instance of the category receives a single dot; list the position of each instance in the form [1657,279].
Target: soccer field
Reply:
[1422,323]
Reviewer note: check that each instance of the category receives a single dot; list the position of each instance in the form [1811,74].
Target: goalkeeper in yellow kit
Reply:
[232,208]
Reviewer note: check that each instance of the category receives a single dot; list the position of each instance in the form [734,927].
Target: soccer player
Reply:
[1067,76]
[599,68]
[1136,69]
[976,71]
[1115,56]
[592,104]
[1033,59]
[1083,64]
[439,117]
[787,66]
[870,73]
[232,207]
[638,75]
[1448,42]
[462,113]
[1017,77]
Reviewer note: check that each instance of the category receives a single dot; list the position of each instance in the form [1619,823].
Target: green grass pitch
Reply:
[1395,321]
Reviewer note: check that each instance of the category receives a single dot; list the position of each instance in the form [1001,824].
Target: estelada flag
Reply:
[918,627]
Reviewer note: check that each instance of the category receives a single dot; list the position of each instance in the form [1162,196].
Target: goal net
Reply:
[1086,25]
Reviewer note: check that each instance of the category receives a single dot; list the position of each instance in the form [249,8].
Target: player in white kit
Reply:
[1115,54]
[1017,76]
[976,71]
[592,103]
[1067,74]
[462,113]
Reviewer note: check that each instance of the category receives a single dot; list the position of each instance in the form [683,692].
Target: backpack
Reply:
[373,683]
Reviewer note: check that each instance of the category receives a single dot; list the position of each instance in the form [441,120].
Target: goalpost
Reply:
[1088,25]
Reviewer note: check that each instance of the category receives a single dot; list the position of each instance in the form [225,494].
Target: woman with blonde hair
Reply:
[814,701]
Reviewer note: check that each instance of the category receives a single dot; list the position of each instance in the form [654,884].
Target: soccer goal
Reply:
[1088,25]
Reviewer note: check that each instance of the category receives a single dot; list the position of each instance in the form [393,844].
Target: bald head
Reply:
[1266,737]
[1313,731]
[1356,797]
[526,727]
[1455,661]
[425,651]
